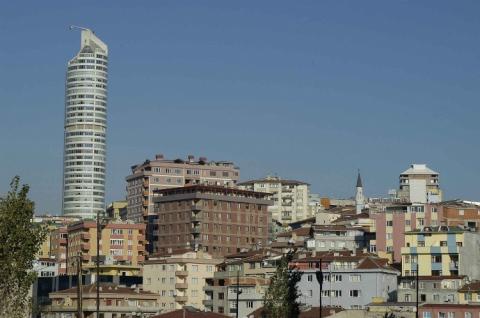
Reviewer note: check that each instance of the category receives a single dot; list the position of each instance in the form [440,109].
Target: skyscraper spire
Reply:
[359,180]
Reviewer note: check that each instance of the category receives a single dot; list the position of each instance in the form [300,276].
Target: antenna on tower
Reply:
[76,27]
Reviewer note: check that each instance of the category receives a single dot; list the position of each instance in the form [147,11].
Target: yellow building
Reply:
[469,293]
[122,246]
[117,209]
[441,251]
[179,278]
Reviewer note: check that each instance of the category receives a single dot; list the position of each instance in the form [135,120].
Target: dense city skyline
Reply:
[310,92]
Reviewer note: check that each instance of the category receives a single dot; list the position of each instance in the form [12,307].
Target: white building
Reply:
[290,198]
[85,128]
[420,184]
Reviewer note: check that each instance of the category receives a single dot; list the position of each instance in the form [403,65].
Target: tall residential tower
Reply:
[85,129]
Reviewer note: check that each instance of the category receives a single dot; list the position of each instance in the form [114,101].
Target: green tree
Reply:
[280,299]
[20,241]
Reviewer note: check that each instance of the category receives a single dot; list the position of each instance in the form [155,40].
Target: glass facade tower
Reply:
[84,159]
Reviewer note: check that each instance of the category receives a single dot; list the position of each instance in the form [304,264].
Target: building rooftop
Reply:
[471,287]
[438,229]
[273,180]
[419,169]
[104,288]
[209,189]
[189,312]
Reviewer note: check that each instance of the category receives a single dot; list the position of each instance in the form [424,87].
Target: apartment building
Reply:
[338,237]
[248,272]
[420,184]
[290,197]
[350,280]
[115,301]
[122,243]
[470,293]
[117,210]
[179,278]
[58,248]
[457,213]
[432,289]
[449,311]
[217,220]
[162,173]
[441,251]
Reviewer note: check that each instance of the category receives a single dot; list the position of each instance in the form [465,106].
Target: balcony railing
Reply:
[181,299]
[181,285]
[181,273]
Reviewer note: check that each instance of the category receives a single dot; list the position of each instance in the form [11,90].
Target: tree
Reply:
[280,300]
[20,241]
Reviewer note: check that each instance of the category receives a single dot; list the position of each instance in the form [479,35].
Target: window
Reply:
[436,297]
[221,296]
[355,278]
[194,280]
[427,314]
[408,298]
[309,293]
[441,315]
[443,243]
[421,243]
[436,258]
[249,304]
[355,293]
[407,222]
[389,223]
[450,314]
[310,278]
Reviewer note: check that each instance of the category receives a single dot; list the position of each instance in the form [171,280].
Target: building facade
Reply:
[420,184]
[163,173]
[85,129]
[179,278]
[338,237]
[217,220]
[350,280]
[432,289]
[441,251]
[115,301]
[290,197]
[249,272]
[122,246]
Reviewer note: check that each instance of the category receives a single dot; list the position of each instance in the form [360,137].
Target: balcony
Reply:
[207,302]
[85,246]
[181,273]
[196,230]
[181,285]
[196,207]
[85,236]
[140,248]
[181,299]
[196,217]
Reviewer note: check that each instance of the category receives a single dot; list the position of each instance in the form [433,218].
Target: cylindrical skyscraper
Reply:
[85,129]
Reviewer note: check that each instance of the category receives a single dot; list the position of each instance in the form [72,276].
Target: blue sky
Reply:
[310,90]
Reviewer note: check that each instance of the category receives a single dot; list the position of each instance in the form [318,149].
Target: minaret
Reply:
[85,129]
[359,198]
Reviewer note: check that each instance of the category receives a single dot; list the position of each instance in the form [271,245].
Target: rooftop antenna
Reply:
[76,27]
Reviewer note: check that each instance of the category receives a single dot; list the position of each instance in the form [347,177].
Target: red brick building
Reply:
[217,219]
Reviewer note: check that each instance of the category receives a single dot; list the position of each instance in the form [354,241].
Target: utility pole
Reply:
[99,233]
[238,291]
[79,287]
[416,287]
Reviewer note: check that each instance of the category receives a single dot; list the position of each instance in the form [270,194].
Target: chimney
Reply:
[159,156]
[190,158]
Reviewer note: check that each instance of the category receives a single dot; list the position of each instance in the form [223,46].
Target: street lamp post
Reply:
[319,276]
[238,292]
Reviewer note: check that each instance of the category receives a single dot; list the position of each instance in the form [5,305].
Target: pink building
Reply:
[449,310]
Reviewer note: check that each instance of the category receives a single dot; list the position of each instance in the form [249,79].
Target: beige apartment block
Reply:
[290,198]
[162,173]
[122,243]
[217,220]
[179,278]
[420,184]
